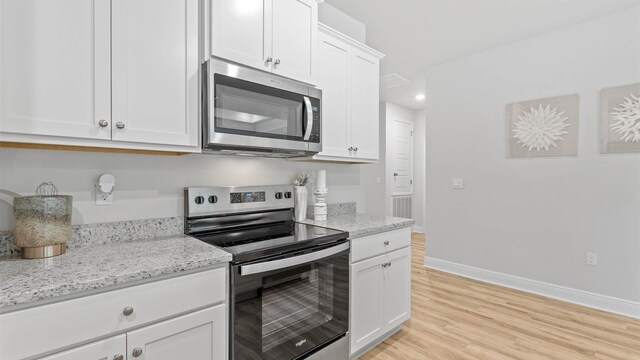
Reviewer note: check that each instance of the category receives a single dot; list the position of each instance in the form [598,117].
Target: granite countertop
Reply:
[83,269]
[361,224]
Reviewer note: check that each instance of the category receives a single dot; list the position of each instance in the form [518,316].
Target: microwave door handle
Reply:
[292,261]
[309,125]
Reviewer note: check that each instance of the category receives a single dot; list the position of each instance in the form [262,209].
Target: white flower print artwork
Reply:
[620,119]
[543,127]
[539,128]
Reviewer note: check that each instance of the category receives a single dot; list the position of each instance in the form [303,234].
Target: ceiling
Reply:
[415,34]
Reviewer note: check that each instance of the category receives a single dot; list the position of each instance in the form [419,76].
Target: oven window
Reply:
[242,107]
[287,313]
[296,305]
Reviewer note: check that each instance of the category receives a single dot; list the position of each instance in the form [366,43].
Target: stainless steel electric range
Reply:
[289,282]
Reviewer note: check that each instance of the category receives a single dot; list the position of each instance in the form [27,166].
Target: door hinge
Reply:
[410,182]
[411,132]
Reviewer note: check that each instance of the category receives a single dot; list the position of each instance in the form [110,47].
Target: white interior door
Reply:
[294,40]
[106,349]
[199,335]
[401,158]
[155,71]
[55,74]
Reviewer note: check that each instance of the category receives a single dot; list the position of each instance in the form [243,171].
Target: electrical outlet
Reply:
[103,198]
[592,259]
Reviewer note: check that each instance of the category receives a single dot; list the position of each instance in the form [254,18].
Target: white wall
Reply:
[150,186]
[419,175]
[338,20]
[372,176]
[536,218]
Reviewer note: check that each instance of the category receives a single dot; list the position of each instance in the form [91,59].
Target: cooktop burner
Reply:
[251,223]
[251,243]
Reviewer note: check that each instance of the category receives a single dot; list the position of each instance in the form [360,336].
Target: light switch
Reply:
[457,183]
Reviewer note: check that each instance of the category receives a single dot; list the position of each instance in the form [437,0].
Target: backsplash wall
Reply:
[151,186]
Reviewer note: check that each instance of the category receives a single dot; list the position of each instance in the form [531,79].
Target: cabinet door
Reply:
[397,291]
[366,317]
[55,68]
[364,102]
[333,80]
[200,335]
[106,349]
[294,39]
[155,71]
[238,31]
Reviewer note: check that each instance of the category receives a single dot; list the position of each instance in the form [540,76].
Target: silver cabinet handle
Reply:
[386,243]
[120,125]
[103,123]
[269,59]
[389,263]
[277,62]
[355,148]
[136,352]
[127,311]
[118,357]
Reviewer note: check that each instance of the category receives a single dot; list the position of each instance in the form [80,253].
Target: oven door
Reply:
[251,110]
[290,306]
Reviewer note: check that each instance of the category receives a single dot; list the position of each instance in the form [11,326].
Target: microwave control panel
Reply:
[315,129]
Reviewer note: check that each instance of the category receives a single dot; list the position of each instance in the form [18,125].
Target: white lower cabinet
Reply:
[199,335]
[107,349]
[178,318]
[380,287]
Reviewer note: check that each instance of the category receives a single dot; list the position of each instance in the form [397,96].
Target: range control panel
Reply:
[202,201]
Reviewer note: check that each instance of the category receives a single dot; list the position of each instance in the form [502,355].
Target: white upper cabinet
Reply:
[294,39]
[55,70]
[348,75]
[102,73]
[278,36]
[238,31]
[365,122]
[333,65]
[155,71]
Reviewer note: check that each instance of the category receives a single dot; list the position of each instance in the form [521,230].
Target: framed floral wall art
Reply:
[543,127]
[620,119]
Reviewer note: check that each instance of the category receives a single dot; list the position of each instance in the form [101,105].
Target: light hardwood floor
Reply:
[458,318]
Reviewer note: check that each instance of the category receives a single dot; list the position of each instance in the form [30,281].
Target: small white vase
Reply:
[300,199]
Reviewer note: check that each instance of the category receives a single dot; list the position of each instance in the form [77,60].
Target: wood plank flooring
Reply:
[458,318]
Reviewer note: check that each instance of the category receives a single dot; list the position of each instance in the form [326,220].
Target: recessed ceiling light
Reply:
[420,97]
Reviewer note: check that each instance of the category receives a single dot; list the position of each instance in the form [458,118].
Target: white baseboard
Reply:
[580,297]
[418,229]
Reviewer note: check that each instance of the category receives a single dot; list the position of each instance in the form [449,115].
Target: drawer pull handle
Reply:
[387,264]
[386,243]
[127,311]
[136,352]
[118,357]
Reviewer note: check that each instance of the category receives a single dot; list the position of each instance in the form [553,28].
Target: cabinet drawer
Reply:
[377,244]
[49,327]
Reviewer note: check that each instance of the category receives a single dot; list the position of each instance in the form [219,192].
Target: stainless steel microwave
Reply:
[250,112]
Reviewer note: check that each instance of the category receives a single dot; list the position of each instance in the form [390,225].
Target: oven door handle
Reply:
[309,125]
[292,261]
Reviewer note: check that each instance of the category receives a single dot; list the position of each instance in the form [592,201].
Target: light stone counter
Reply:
[361,224]
[88,268]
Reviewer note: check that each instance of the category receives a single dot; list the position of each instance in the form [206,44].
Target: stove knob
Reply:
[213,199]
[278,195]
[199,200]
[287,195]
